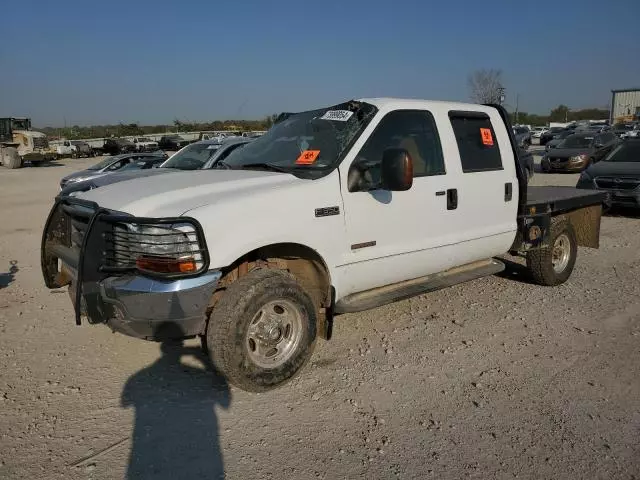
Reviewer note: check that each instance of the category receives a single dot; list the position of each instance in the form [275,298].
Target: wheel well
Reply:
[301,261]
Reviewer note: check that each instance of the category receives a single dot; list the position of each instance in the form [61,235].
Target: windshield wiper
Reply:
[264,166]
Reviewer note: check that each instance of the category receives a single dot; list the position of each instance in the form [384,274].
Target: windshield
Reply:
[20,124]
[142,164]
[103,164]
[623,126]
[192,157]
[306,143]
[566,134]
[625,152]
[575,141]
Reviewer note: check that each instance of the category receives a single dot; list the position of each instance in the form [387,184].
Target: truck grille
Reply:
[79,217]
[617,183]
[40,142]
[558,161]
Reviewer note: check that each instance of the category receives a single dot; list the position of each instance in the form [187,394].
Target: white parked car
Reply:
[633,133]
[334,210]
[538,131]
[144,144]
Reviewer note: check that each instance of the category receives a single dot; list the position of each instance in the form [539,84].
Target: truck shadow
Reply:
[52,163]
[514,271]
[175,434]
[8,277]
[625,212]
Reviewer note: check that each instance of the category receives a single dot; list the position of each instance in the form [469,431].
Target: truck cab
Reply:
[333,210]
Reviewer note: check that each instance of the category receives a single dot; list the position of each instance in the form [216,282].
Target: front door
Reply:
[395,236]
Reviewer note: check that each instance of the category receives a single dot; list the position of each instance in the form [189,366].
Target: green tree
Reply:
[559,114]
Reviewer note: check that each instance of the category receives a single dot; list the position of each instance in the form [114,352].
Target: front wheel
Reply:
[262,331]
[553,265]
[10,158]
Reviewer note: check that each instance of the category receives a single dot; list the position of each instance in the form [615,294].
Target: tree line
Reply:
[178,126]
[486,86]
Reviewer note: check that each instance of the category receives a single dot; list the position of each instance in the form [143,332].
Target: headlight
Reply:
[160,249]
[578,159]
[77,179]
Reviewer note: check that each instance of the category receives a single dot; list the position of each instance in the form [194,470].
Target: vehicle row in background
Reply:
[113,163]
[523,136]
[618,175]
[578,150]
[201,155]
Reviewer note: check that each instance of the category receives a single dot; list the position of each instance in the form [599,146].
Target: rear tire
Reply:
[10,158]
[262,331]
[553,265]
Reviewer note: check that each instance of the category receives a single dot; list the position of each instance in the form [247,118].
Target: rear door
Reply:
[487,189]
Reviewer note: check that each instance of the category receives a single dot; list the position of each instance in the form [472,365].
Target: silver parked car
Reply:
[200,155]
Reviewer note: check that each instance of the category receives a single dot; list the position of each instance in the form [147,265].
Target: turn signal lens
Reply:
[166,264]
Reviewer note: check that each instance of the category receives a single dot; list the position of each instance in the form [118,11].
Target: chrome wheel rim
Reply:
[561,253]
[274,334]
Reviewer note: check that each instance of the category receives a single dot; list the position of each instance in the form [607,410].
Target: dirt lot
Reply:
[496,378]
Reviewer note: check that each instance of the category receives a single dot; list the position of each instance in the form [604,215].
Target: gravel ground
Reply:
[496,378]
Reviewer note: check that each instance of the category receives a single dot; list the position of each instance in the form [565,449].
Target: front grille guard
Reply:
[56,244]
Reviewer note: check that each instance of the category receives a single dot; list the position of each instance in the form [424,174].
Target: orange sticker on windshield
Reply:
[487,138]
[308,157]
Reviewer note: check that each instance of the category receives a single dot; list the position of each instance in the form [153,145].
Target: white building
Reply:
[625,105]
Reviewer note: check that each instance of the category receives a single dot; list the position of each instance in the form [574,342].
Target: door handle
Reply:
[452,199]
[508,192]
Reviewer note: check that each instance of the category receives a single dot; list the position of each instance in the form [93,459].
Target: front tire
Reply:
[553,265]
[10,158]
[262,331]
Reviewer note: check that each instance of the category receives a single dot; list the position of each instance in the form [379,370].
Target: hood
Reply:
[176,194]
[30,133]
[631,169]
[115,177]
[570,152]
[129,175]
[84,173]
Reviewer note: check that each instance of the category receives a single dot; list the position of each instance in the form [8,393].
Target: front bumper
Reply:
[615,197]
[564,166]
[73,253]
[148,308]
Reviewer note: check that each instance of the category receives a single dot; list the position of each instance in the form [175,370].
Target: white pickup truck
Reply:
[144,144]
[333,210]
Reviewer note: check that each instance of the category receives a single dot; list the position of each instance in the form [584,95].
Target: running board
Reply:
[379,296]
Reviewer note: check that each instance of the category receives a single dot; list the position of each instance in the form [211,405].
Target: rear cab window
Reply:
[476,140]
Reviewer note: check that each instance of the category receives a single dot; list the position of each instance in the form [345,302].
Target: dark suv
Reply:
[172,142]
[116,146]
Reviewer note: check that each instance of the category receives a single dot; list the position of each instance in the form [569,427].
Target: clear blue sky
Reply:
[140,61]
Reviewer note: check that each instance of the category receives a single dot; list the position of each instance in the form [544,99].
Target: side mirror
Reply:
[396,170]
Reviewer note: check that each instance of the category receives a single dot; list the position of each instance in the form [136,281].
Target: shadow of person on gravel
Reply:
[175,434]
[7,278]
